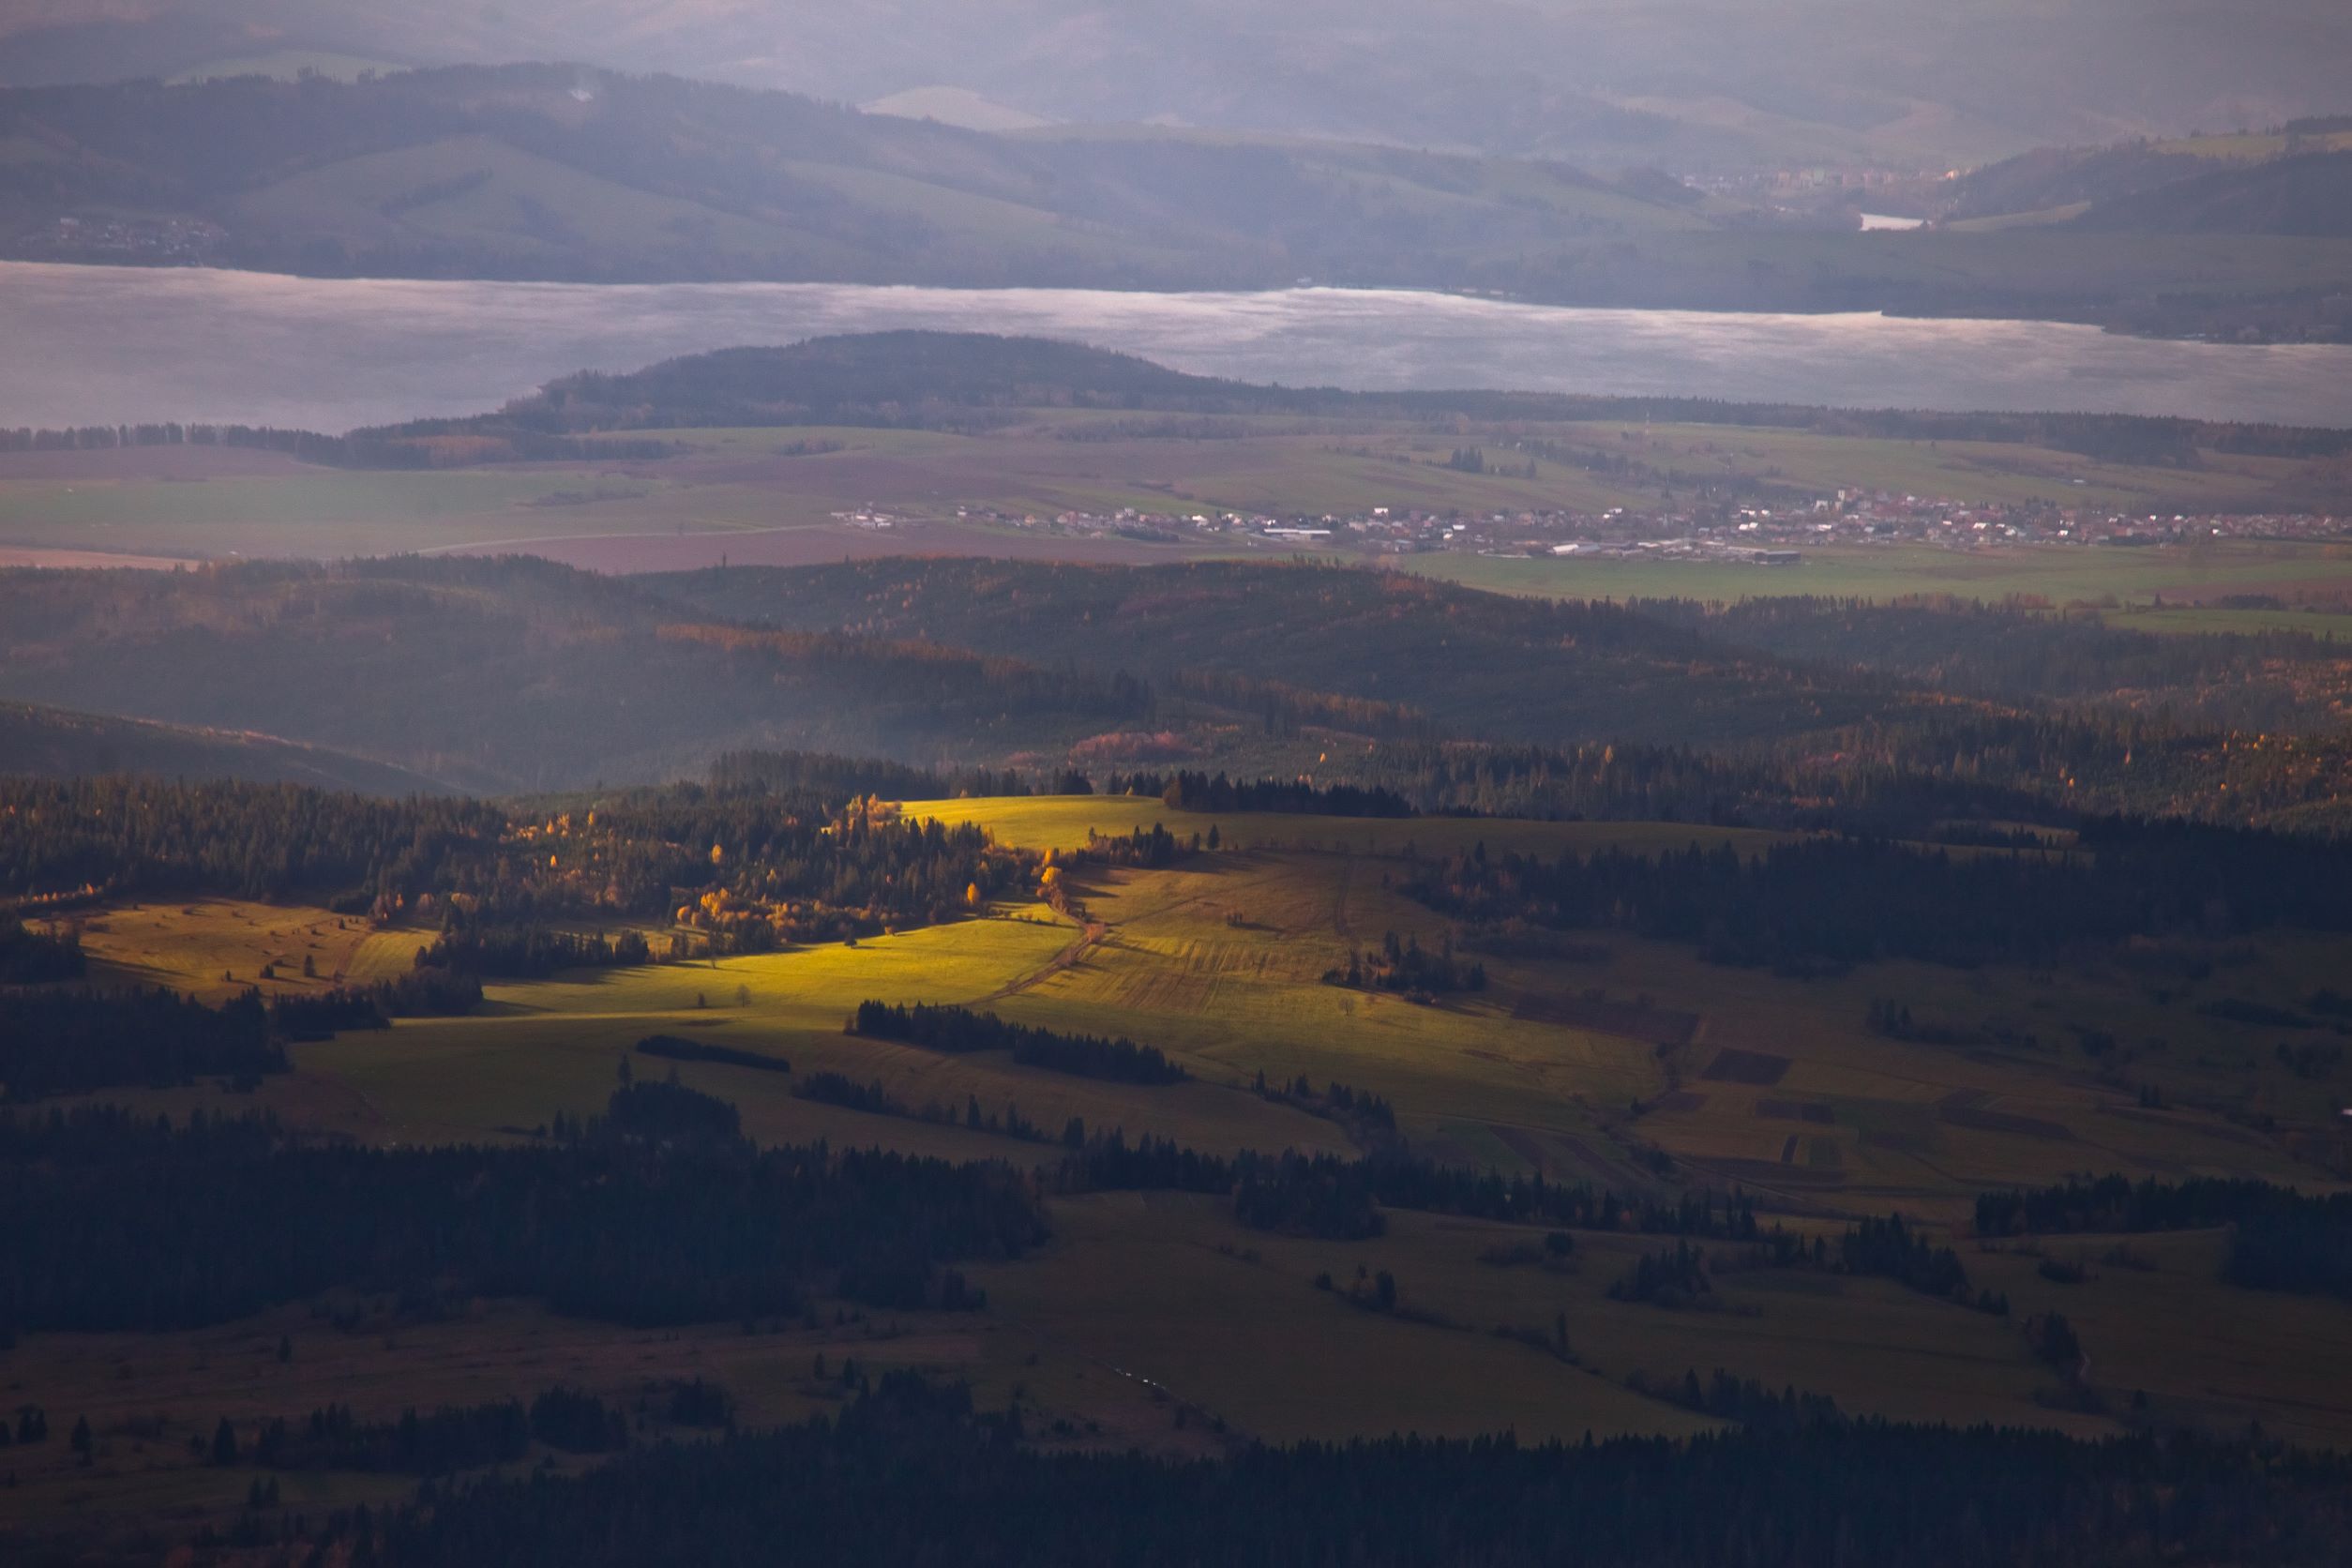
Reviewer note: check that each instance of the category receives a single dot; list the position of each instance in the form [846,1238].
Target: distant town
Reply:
[1770,536]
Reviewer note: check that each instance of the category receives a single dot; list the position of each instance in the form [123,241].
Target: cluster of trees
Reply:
[1405,967]
[2279,1239]
[1745,1400]
[423,992]
[750,869]
[31,957]
[435,1442]
[1367,1116]
[1676,1278]
[1891,1250]
[823,776]
[959,1030]
[909,1476]
[1301,1196]
[1151,848]
[667,1114]
[839,1089]
[530,952]
[766,870]
[65,1042]
[1840,901]
[1200,791]
[60,1041]
[147,835]
[1109,1163]
[673,1047]
[114,1221]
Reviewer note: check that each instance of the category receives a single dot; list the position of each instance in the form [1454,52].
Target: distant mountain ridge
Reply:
[1686,83]
[555,172]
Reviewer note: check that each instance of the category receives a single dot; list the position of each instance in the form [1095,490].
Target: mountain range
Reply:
[1689,84]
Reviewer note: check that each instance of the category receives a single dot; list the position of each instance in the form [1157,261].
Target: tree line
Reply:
[960,1030]
[910,1474]
[111,1221]
[1199,792]
[747,871]
[1834,902]
[31,957]
[68,1042]
[2279,1239]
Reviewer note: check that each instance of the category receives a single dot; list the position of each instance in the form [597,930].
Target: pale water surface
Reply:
[101,345]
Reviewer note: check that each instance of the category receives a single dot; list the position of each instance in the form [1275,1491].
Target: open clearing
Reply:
[770,497]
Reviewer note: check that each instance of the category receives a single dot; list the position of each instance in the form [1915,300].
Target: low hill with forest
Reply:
[971,381]
[53,743]
[2308,194]
[514,673]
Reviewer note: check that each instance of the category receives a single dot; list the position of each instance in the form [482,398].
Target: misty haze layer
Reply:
[101,345]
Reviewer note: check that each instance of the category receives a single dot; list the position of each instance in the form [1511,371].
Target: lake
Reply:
[104,345]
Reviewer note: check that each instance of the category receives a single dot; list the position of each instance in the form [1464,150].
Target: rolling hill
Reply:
[2308,194]
[553,172]
[561,173]
[511,673]
[51,743]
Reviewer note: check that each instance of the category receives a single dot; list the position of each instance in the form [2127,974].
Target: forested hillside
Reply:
[515,673]
[512,673]
[51,743]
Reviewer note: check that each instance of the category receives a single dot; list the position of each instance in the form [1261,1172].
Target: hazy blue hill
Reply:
[2051,178]
[511,673]
[53,743]
[869,377]
[1684,83]
[551,172]
[2307,195]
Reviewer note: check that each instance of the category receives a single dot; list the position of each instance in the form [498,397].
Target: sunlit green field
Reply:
[1063,823]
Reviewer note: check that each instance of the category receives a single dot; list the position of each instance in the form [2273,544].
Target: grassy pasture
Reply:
[146,1395]
[538,1048]
[199,502]
[1136,1281]
[2059,573]
[1142,1303]
[214,948]
[1572,1065]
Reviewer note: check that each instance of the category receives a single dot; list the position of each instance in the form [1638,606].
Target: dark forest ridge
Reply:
[1908,714]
